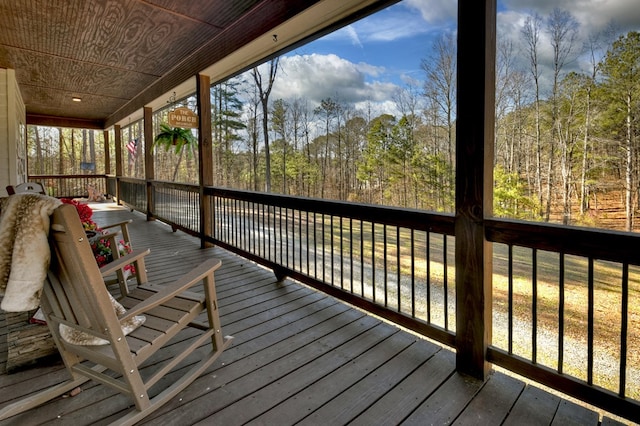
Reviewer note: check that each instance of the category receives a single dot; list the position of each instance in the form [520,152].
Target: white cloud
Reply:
[396,25]
[592,15]
[316,77]
[353,35]
[435,11]
[404,20]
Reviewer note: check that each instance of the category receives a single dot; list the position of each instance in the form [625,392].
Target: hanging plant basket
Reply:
[174,138]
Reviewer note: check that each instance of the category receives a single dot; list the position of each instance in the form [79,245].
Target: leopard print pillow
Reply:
[77,337]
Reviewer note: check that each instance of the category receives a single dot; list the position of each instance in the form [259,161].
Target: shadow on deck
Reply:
[299,357]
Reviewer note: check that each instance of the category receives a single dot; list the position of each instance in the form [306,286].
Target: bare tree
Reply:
[504,81]
[305,116]
[297,134]
[61,167]
[354,140]
[531,35]
[440,84]
[569,128]
[280,126]
[73,150]
[520,145]
[339,155]
[92,149]
[594,46]
[264,90]
[563,32]
[252,130]
[328,110]
[407,101]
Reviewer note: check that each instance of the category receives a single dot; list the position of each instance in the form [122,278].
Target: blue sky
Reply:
[367,62]
[396,39]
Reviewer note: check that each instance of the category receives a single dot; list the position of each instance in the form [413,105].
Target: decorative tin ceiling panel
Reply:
[117,54]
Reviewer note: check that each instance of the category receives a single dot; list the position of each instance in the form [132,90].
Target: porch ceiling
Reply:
[118,56]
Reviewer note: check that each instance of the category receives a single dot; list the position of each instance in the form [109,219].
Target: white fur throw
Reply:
[24,249]
[76,337]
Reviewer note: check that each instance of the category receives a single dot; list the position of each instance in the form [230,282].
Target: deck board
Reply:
[391,391]
[493,402]
[572,414]
[534,407]
[298,357]
[339,381]
[445,405]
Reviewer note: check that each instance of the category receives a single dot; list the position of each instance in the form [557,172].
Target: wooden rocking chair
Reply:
[25,187]
[121,228]
[113,233]
[76,298]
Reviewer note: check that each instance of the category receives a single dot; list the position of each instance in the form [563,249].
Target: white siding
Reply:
[12,132]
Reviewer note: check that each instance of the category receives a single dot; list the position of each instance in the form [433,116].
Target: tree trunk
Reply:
[584,197]
[629,168]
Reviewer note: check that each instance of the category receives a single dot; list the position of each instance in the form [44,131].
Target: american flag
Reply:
[132,147]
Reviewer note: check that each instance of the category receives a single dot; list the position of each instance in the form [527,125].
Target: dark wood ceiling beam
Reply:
[55,121]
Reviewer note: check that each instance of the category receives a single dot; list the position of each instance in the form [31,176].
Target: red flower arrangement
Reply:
[101,248]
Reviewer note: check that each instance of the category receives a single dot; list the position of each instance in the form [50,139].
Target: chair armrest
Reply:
[123,261]
[113,225]
[123,228]
[167,292]
[108,236]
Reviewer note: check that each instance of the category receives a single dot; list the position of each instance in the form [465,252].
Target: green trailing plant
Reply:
[174,138]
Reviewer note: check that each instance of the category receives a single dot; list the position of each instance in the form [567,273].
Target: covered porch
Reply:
[299,357]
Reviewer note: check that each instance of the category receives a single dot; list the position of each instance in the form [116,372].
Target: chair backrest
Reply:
[25,187]
[76,292]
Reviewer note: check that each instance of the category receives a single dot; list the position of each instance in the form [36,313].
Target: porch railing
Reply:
[71,186]
[555,288]
[566,310]
[396,263]
[133,192]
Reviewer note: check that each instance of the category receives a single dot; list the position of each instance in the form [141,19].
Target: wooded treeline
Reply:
[54,150]
[563,134]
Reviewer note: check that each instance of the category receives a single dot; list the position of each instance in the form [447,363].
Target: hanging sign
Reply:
[183,117]
[88,166]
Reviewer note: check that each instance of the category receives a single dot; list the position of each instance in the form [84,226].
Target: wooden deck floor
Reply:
[299,357]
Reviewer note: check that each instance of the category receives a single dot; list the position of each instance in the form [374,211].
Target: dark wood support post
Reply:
[205,153]
[117,140]
[149,169]
[107,160]
[474,182]
[107,156]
